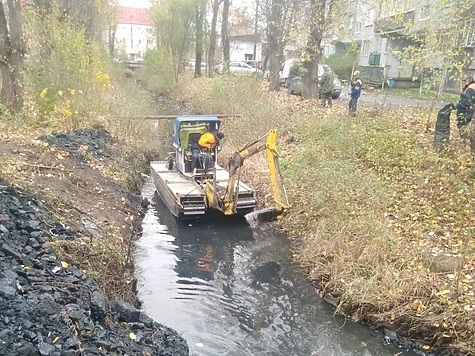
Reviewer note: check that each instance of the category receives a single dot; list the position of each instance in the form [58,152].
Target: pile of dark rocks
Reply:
[97,140]
[48,307]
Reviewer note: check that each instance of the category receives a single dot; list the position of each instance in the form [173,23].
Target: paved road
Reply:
[392,101]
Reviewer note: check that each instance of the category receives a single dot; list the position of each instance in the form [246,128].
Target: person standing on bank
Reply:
[356,85]
[466,105]
[327,82]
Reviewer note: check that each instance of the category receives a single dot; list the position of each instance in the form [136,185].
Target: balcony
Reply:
[395,23]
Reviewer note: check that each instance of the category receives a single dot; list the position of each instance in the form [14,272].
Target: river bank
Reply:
[381,221]
[58,212]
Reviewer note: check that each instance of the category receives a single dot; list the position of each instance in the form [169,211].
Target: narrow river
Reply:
[230,289]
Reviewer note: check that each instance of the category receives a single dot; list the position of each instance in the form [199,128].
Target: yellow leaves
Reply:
[103,80]
[418,306]
[64,264]
[43,93]
[443,292]
[132,336]
[426,347]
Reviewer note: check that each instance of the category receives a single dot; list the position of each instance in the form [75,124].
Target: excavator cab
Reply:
[186,133]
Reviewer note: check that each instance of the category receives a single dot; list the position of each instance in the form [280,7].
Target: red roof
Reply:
[134,16]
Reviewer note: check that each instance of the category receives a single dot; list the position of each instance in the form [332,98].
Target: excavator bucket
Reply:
[264,215]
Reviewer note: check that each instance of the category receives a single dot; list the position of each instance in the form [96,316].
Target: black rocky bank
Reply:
[47,308]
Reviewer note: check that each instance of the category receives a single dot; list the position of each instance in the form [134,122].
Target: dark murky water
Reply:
[230,289]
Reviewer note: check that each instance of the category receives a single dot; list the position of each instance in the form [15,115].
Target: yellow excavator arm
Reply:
[235,163]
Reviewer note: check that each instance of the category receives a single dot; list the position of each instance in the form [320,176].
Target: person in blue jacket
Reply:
[355,92]
[466,105]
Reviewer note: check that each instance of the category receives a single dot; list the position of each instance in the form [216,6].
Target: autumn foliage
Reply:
[383,222]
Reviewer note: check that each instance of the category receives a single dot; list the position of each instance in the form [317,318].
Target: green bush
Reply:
[67,72]
[158,73]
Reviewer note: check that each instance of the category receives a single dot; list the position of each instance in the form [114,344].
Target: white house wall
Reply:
[135,40]
[239,50]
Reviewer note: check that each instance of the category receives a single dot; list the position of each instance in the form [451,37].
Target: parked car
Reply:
[238,68]
[192,63]
[251,62]
[292,73]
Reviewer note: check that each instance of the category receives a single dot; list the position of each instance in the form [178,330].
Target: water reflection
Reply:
[230,289]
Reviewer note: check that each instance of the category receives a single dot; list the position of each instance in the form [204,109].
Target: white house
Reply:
[245,47]
[134,34]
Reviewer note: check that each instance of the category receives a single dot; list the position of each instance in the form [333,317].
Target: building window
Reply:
[369,17]
[374,59]
[365,48]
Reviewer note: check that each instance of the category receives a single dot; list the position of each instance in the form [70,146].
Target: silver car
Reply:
[238,68]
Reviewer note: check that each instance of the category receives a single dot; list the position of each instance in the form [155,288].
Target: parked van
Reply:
[284,73]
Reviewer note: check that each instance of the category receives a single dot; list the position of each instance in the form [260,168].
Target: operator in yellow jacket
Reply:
[208,141]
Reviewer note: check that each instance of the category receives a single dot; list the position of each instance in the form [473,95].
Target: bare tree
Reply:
[280,16]
[225,35]
[212,37]
[199,23]
[86,14]
[312,48]
[275,38]
[12,52]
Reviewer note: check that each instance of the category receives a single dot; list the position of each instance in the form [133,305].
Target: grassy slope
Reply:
[384,223]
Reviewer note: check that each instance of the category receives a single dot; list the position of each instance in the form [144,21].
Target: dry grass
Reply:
[78,196]
[384,222]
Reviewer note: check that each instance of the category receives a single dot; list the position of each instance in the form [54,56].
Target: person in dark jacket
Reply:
[327,82]
[356,85]
[466,105]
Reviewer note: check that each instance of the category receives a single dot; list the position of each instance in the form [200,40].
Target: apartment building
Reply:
[381,32]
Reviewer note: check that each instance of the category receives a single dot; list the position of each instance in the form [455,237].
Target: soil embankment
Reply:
[50,306]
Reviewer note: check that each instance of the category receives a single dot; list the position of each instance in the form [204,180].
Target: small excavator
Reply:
[191,192]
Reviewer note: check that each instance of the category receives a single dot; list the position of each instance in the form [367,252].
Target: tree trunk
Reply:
[12,51]
[212,38]
[276,45]
[111,41]
[312,50]
[225,35]
[200,14]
